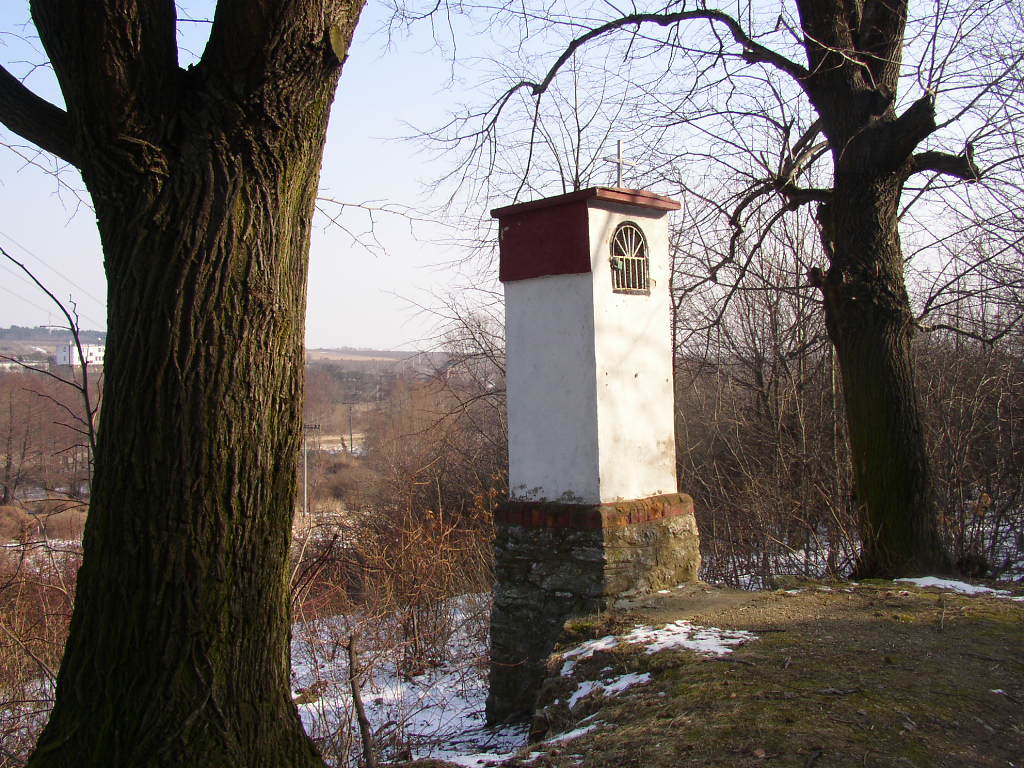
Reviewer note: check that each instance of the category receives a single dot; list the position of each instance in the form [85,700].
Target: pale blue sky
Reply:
[355,298]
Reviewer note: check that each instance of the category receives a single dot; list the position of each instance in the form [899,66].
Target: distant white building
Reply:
[67,354]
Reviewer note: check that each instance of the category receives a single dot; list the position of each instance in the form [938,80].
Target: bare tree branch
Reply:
[958,166]
[88,419]
[753,52]
[36,119]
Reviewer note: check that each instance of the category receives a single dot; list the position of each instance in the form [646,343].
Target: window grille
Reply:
[629,260]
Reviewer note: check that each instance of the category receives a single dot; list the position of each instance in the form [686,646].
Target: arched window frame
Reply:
[630,265]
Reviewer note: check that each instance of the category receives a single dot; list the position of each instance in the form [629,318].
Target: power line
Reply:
[53,269]
[17,274]
[91,320]
[28,283]
[22,298]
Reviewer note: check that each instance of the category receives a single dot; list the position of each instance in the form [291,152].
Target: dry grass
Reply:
[15,523]
[54,519]
[861,675]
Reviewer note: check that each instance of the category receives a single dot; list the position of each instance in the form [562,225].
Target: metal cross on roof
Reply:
[620,161]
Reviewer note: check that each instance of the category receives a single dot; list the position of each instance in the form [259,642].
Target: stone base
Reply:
[555,561]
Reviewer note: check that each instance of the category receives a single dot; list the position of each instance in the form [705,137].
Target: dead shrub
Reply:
[973,397]
[15,523]
[37,584]
[66,523]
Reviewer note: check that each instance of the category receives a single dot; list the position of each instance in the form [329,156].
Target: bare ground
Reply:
[867,675]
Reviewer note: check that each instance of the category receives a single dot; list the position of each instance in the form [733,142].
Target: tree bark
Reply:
[204,185]
[853,57]
[178,651]
[870,323]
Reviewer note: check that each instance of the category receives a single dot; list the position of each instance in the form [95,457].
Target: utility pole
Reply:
[351,446]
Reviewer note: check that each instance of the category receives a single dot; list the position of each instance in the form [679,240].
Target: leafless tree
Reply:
[82,422]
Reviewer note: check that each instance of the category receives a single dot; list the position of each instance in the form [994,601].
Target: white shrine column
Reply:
[589,375]
[594,512]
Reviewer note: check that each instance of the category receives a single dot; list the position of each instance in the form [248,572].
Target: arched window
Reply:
[629,260]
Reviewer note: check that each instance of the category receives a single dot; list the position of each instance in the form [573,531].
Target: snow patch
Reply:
[683,635]
[959,586]
[480,760]
[573,734]
[710,641]
[611,686]
[585,651]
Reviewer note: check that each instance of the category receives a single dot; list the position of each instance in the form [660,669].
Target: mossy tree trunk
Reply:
[204,184]
[871,325]
[853,65]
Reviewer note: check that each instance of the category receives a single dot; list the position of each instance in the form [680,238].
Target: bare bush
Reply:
[399,584]
[37,583]
[762,435]
[38,450]
[762,448]
[407,714]
[761,445]
[973,397]
[397,555]
[15,523]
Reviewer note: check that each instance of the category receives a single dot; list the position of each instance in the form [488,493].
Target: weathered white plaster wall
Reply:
[633,363]
[552,397]
[589,376]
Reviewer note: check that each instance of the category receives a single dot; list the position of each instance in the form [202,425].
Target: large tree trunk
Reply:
[178,652]
[179,646]
[871,325]
[854,55]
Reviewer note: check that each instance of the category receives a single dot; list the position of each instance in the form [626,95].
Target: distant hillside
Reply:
[20,340]
[43,334]
[357,355]
[377,360]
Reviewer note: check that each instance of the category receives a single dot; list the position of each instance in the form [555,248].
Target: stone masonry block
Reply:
[554,561]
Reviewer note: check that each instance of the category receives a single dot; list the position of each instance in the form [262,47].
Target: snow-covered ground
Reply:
[429,703]
[437,712]
[960,586]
